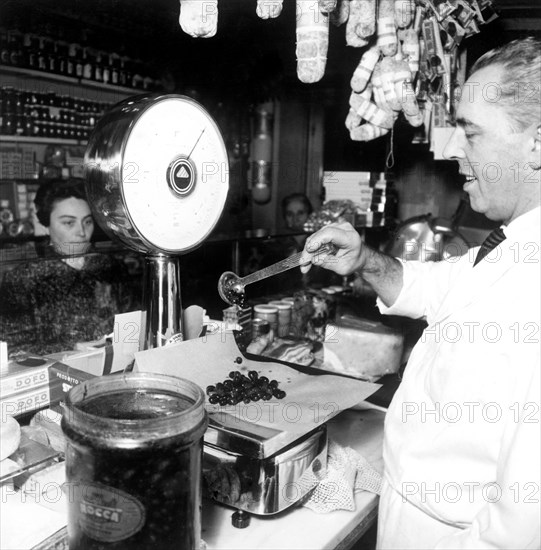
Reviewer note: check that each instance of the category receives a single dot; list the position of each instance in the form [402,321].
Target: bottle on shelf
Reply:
[6,214]
[4,47]
[114,59]
[89,64]
[31,47]
[15,48]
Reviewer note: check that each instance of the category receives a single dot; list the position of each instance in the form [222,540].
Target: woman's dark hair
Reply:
[53,191]
[301,197]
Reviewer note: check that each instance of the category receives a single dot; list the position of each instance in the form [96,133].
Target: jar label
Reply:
[107,514]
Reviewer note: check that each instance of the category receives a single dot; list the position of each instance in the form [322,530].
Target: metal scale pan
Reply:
[157,177]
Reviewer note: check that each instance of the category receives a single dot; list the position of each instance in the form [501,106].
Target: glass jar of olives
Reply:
[133,462]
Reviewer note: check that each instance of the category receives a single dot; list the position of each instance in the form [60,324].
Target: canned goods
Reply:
[268,313]
[260,327]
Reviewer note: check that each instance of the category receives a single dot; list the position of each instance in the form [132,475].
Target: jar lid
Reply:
[266,308]
[280,305]
[337,288]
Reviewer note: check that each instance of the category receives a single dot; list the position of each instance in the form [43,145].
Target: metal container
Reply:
[261,473]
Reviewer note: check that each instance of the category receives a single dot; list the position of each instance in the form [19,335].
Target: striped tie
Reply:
[492,241]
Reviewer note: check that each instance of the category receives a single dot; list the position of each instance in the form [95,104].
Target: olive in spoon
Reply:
[231,286]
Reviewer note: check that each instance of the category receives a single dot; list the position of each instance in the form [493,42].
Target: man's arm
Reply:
[382,272]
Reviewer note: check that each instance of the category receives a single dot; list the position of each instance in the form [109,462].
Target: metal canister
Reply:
[260,327]
[133,462]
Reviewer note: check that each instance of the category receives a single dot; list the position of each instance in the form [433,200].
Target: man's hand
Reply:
[382,272]
[349,249]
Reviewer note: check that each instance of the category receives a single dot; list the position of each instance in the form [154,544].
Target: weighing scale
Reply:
[157,177]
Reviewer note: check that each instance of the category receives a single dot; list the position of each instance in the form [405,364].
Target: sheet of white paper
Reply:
[128,337]
[310,399]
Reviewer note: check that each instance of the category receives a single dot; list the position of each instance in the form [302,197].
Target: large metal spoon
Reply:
[231,286]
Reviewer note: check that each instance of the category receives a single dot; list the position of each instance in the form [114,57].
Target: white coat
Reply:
[462,434]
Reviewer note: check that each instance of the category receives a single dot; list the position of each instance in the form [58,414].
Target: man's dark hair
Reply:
[520,84]
[52,191]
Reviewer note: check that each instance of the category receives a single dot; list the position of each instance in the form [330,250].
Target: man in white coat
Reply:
[462,434]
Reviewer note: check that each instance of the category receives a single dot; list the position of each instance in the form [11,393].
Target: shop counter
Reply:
[26,525]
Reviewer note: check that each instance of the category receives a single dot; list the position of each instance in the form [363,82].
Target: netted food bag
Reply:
[312,310]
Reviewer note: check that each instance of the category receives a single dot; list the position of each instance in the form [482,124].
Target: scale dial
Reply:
[167,173]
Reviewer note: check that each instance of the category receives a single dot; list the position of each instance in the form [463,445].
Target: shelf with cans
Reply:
[33,115]
[51,55]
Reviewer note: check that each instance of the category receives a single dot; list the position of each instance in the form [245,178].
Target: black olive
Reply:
[223,400]
[253,375]
[233,374]
[213,399]
[263,379]
[228,385]
[246,400]
[238,360]
[211,389]
[266,397]
[273,383]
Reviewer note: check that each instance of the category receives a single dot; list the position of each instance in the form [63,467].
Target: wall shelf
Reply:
[40,140]
[81,82]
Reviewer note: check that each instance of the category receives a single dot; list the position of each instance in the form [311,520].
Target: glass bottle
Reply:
[6,214]
[4,47]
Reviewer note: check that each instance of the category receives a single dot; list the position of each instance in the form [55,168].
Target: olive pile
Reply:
[239,388]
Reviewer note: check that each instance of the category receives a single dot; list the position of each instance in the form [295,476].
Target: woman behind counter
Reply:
[69,295]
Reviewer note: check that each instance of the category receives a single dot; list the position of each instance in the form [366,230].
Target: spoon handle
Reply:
[284,265]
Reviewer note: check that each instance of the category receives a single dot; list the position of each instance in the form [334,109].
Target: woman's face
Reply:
[296,214]
[71,226]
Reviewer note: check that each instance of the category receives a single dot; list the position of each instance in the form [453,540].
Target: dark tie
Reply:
[492,241]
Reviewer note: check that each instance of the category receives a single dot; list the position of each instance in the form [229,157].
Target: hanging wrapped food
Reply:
[411,50]
[353,38]
[406,94]
[367,132]
[269,9]
[387,66]
[387,39]
[327,6]
[199,19]
[353,119]
[363,72]
[366,26]
[370,111]
[340,13]
[312,41]
[404,12]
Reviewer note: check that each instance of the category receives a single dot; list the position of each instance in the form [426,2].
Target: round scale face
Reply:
[175,174]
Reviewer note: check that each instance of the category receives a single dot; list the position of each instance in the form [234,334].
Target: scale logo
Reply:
[181,176]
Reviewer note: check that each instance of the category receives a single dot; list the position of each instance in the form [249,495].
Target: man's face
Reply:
[296,214]
[493,159]
[71,226]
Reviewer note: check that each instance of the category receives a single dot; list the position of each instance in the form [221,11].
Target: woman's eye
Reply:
[69,224]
